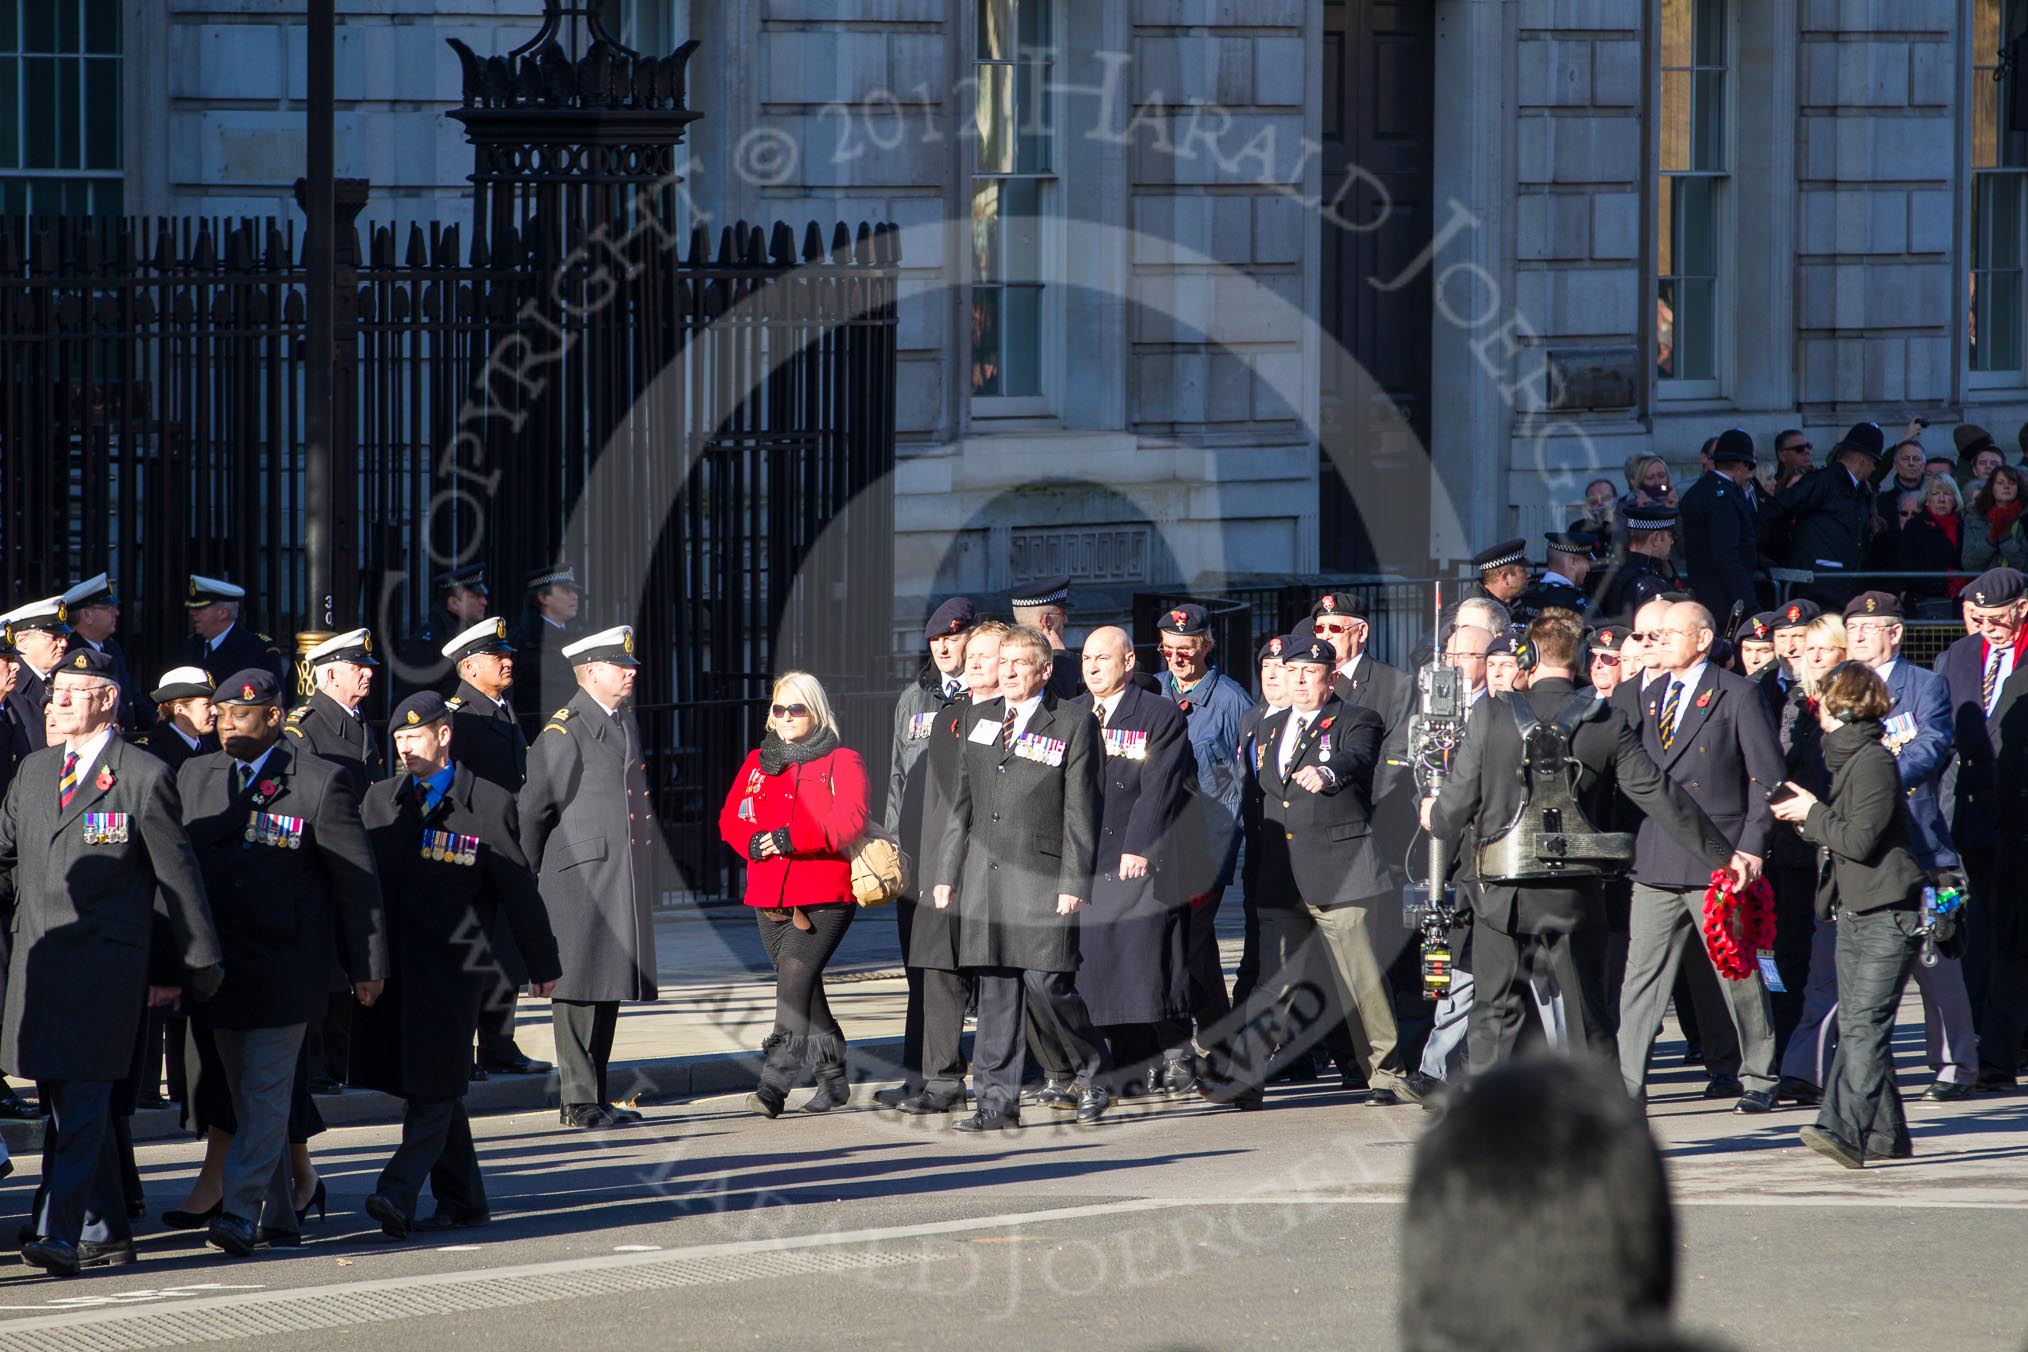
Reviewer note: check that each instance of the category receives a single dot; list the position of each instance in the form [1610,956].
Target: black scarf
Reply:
[777,755]
[1848,740]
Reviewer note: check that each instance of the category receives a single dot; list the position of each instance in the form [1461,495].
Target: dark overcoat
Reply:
[1726,754]
[80,912]
[1023,827]
[283,910]
[416,1040]
[932,935]
[1974,741]
[919,719]
[1317,847]
[239,649]
[323,727]
[487,739]
[1131,939]
[585,818]
[1720,531]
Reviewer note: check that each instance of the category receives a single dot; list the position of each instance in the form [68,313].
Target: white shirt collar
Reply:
[1886,669]
[1023,711]
[1691,677]
[1550,577]
[88,754]
[219,638]
[258,761]
[612,710]
[1351,665]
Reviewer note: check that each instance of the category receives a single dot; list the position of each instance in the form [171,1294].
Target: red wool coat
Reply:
[823,803]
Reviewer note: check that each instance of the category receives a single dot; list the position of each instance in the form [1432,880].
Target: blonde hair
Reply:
[1637,469]
[1932,482]
[1824,626]
[997,630]
[800,687]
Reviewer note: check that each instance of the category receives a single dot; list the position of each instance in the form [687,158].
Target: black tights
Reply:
[799,957]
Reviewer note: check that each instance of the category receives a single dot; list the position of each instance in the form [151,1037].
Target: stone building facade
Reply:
[1210,287]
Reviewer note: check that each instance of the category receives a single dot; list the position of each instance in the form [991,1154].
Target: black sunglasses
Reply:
[789,710]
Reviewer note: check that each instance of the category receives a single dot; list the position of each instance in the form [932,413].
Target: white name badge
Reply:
[985,732]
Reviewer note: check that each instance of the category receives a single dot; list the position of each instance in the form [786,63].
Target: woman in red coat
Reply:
[796,808]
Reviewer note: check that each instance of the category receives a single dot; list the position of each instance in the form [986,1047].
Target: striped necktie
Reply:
[1992,681]
[1669,702]
[1007,729]
[67,786]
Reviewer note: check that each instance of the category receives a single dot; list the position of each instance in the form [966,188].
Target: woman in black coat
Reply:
[1874,887]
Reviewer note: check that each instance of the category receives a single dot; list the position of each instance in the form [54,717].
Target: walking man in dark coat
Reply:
[94,612]
[1132,969]
[1551,929]
[1829,515]
[584,827]
[917,712]
[91,837]
[1721,528]
[291,880]
[217,641]
[492,746]
[448,850]
[1019,850]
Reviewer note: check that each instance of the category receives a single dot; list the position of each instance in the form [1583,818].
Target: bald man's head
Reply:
[1683,638]
[1108,661]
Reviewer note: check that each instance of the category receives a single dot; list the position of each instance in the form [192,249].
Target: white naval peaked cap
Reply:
[487,636]
[91,586]
[354,645]
[48,613]
[615,645]
[206,590]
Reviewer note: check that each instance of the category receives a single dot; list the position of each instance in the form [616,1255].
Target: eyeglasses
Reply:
[1641,636]
[1331,628]
[1909,513]
[789,710]
[1167,651]
[1463,656]
[1605,659]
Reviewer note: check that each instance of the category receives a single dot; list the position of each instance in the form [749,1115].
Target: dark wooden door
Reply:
[1378,119]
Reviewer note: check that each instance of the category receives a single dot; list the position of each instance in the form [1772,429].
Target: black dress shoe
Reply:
[517,1064]
[234,1234]
[1945,1092]
[623,1115]
[479,1075]
[985,1121]
[1056,1095]
[1214,1088]
[324,1084]
[586,1117]
[453,1220]
[57,1257]
[147,1101]
[1382,1098]
[265,1238]
[15,1108]
[192,1220]
[1790,1089]
[137,1207]
[1693,1053]
[1990,1082]
[1755,1101]
[393,1220]
[90,1255]
[1722,1087]
[1178,1079]
[897,1095]
[929,1102]
[1092,1103]
[1833,1146]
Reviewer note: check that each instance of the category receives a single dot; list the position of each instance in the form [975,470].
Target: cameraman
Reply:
[1554,929]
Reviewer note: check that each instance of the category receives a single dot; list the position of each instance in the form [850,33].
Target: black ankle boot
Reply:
[778,1073]
[827,1063]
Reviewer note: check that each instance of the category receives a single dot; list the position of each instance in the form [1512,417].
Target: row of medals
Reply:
[98,829]
[265,829]
[445,848]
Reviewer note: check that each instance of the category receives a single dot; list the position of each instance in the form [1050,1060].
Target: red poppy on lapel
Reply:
[268,787]
[1184,705]
[105,779]
[1325,726]
[1704,700]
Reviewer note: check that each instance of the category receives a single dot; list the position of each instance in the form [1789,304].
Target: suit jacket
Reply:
[929,937]
[1023,828]
[1827,517]
[323,727]
[1318,847]
[166,744]
[416,1040]
[487,739]
[1721,543]
[283,910]
[585,819]
[1924,696]
[1974,817]
[1726,755]
[1483,792]
[1389,692]
[238,649]
[14,738]
[81,912]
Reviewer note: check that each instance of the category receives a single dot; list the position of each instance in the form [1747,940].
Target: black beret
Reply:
[1795,615]
[954,616]
[1995,587]
[1502,646]
[1607,638]
[1884,604]
[1756,628]
[1186,621]
[1344,605]
[1734,447]
[1271,651]
[89,661]
[1308,648]
[424,706]
[255,685]
[1502,554]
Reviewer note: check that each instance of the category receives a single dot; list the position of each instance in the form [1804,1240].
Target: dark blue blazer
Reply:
[1726,755]
[1973,811]
[1923,694]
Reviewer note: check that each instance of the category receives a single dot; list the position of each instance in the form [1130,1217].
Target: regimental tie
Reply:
[1992,681]
[67,786]
[242,775]
[1007,729]
[1669,703]
[1104,716]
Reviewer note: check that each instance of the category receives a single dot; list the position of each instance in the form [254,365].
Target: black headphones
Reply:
[1524,652]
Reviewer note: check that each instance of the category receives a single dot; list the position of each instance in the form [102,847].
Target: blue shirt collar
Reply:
[439,784]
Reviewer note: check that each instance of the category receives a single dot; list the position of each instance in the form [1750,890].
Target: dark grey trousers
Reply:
[584,1048]
[82,1198]
[436,1144]
[260,1069]
[1861,1104]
